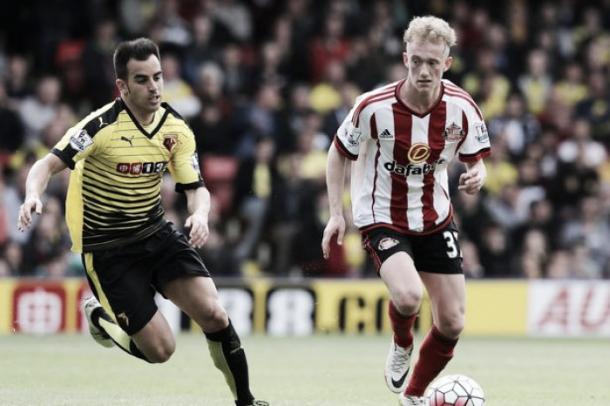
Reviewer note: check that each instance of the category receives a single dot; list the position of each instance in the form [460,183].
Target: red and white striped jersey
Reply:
[399,177]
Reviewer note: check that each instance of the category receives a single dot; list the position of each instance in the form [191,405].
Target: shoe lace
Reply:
[400,359]
[414,401]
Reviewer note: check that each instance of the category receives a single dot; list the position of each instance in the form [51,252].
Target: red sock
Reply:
[434,354]
[402,326]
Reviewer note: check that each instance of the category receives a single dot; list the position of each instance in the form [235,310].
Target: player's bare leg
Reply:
[198,298]
[448,296]
[405,287]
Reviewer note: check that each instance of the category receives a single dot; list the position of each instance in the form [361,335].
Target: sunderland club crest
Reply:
[453,133]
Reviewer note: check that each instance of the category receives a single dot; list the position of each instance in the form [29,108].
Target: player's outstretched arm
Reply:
[335,176]
[35,185]
[198,203]
[474,178]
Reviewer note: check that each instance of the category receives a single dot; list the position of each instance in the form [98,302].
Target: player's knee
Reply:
[161,351]
[451,325]
[213,318]
[407,302]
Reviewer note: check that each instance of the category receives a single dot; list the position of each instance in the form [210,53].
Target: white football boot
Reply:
[100,336]
[406,400]
[397,367]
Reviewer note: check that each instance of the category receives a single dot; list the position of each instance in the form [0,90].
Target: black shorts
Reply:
[438,252]
[125,279]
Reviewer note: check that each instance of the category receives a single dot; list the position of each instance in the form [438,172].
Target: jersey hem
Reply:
[365,229]
[153,228]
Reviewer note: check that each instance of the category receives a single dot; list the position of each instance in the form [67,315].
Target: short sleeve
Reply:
[476,144]
[75,145]
[352,131]
[184,163]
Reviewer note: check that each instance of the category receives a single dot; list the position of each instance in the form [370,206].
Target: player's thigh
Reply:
[198,298]
[156,339]
[400,277]
[122,284]
[391,253]
[447,294]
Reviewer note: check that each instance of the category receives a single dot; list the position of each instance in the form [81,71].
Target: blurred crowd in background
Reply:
[264,85]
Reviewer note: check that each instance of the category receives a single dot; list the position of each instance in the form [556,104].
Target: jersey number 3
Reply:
[451,238]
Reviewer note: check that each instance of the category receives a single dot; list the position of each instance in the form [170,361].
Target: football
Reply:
[455,390]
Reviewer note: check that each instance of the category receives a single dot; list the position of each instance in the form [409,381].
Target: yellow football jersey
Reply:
[114,192]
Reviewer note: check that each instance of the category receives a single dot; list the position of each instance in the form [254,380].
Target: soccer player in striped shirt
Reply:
[118,155]
[401,138]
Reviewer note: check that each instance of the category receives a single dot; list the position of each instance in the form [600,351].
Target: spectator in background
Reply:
[38,111]
[12,132]
[588,236]
[254,185]
[237,82]
[265,118]
[17,79]
[518,127]
[235,19]
[571,89]
[169,29]
[325,95]
[348,91]
[535,84]
[593,152]
[48,244]
[596,107]
[97,63]
[177,92]
[488,84]
[331,46]
[202,49]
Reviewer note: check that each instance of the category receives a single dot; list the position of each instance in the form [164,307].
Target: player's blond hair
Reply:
[430,28]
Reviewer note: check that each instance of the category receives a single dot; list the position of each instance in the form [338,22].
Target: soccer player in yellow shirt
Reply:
[118,155]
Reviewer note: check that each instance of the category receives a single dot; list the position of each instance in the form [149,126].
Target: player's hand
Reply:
[471,181]
[199,231]
[336,225]
[31,204]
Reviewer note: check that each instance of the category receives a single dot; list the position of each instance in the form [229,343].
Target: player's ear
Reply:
[405,58]
[448,63]
[122,86]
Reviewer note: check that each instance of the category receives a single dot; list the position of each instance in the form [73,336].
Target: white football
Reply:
[455,390]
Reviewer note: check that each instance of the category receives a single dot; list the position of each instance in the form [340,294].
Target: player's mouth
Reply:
[155,99]
[424,82]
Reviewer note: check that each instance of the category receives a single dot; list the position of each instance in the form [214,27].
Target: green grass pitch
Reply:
[316,371]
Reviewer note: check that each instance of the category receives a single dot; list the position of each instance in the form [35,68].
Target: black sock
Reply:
[230,358]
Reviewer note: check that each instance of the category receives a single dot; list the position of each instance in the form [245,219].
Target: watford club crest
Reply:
[169,140]
[453,133]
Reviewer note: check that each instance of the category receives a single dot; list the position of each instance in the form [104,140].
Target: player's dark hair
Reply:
[139,49]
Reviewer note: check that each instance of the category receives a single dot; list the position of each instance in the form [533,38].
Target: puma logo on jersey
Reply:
[102,124]
[129,140]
